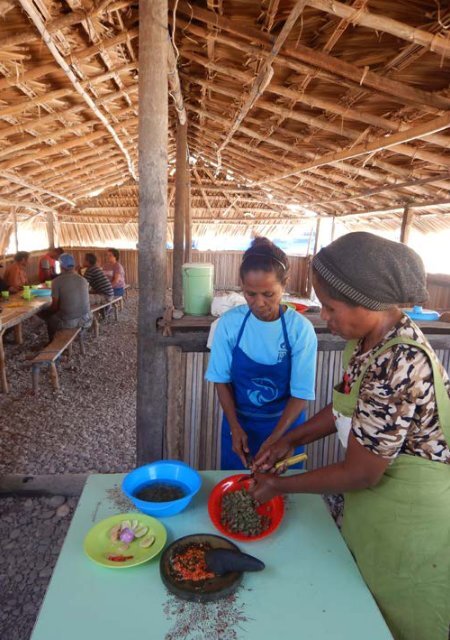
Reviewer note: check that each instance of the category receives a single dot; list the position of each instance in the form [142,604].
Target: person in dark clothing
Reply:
[100,287]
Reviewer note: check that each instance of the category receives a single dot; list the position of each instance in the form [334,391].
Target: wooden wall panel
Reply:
[226,266]
[203,415]
[439,292]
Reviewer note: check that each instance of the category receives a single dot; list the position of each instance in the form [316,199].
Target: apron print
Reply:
[265,391]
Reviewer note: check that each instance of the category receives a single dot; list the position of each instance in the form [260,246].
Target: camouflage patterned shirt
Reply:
[396,410]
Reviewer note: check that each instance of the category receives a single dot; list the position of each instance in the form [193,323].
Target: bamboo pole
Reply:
[50,230]
[180,207]
[153,136]
[16,231]
[35,17]
[188,222]
[363,17]
[174,84]
[407,221]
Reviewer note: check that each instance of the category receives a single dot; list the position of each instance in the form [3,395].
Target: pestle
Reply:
[222,561]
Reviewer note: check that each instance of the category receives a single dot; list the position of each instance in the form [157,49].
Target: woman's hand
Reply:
[264,487]
[266,459]
[240,443]
[267,444]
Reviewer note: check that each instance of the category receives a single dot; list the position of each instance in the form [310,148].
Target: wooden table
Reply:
[311,587]
[12,316]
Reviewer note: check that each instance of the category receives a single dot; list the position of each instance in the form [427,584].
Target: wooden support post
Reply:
[82,346]
[16,231]
[174,439]
[18,333]
[178,222]
[316,246]
[333,228]
[153,138]
[407,220]
[95,323]
[316,238]
[35,373]
[54,376]
[4,381]
[50,229]
[188,220]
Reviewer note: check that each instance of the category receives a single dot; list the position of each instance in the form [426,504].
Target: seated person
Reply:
[70,300]
[47,264]
[100,286]
[115,272]
[16,272]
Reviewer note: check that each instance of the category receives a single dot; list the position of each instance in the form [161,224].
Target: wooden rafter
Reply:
[265,73]
[39,24]
[365,18]
[386,142]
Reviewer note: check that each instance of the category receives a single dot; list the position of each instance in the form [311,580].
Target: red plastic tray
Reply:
[274,508]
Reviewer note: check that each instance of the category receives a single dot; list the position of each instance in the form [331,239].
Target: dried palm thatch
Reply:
[339,108]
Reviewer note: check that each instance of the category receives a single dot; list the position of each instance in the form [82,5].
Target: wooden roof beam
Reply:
[436,43]
[64,146]
[265,73]
[361,77]
[35,17]
[326,105]
[289,148]
[330,183]
[379,144]
[237,161]
[394,210]
[34,187]
[24,204]
[352,134]
[73,160]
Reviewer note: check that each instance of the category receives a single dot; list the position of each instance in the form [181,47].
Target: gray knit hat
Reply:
[373,272]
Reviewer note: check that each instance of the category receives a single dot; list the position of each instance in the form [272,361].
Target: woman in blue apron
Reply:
[392,415]
[262,360]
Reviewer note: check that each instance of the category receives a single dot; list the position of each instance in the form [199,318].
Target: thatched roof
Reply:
[342,108]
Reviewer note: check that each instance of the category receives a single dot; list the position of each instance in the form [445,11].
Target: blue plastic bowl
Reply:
[41,292]
[172,471]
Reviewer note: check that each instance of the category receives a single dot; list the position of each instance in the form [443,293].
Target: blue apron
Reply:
[261,392]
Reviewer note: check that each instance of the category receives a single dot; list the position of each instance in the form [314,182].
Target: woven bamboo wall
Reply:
[226,270]
[439,292]
[193,434]
[226,266]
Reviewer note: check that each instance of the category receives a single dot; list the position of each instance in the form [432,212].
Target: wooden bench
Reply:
[125,291]
[115,303]
[63,340]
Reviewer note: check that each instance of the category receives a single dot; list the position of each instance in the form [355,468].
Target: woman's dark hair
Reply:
[115,253]
[264,255]
[21,255]
[91,259]
[332,292]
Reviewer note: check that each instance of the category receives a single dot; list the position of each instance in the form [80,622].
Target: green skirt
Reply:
[399,534]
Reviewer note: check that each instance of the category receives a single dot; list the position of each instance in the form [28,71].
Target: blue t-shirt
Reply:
[264,342]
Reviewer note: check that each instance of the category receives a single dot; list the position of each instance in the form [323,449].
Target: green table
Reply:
[311,588]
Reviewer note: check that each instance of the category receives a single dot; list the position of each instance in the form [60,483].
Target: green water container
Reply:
[198,288]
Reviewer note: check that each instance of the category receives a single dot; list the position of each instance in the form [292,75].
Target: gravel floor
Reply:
[32,531]
[87,426]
